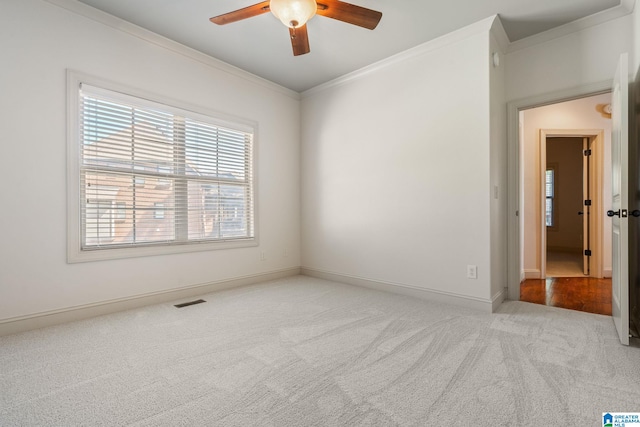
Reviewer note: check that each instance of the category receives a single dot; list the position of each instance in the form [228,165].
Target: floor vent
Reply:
[187,304]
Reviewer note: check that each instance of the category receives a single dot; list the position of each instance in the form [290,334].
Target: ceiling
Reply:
[261,44]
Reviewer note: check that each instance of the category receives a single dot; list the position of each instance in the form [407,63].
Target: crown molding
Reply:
[624,8]
[492,23]
[421,49]
[497,29]
[173,46]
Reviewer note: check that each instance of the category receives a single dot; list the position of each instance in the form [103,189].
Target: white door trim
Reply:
[514,266]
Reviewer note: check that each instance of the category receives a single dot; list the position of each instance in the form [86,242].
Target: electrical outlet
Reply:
[472,271]
[263,256]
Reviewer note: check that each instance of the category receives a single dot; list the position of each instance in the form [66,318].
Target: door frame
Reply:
[515,274]
[596,182]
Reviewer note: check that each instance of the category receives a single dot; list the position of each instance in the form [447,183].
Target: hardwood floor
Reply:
[575,293]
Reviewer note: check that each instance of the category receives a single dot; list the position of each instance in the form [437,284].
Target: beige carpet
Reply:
[306,352]
[564,264]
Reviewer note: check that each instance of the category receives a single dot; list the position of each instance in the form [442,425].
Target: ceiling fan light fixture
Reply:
[293,13]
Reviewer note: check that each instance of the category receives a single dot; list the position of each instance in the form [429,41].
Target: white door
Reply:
[618,212]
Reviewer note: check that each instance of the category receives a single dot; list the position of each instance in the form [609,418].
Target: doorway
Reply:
[567,214]
[571,219]
[565,245]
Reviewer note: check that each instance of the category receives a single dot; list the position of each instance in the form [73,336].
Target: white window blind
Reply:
[152,174]
[549,189]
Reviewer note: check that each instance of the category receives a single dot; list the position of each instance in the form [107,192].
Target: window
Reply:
[121,211]
[99,221]
[549,188]
[158,213]
[163,170]
[156,176]
[138,177]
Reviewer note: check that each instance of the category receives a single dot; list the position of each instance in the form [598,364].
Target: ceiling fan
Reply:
[295,14]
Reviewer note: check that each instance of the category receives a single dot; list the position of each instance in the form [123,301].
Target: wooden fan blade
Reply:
[244,13]
[350,13]
[299,40]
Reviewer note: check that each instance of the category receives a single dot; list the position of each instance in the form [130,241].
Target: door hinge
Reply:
[587,252]
[587,152]
[587,202]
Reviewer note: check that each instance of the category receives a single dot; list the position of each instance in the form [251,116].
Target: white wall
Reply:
[498,169]
[577,114]
[38,42]
[399,165]
[582,57]
[395,169]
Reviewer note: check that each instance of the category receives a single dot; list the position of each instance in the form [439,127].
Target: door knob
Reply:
[613,213]
[635,213]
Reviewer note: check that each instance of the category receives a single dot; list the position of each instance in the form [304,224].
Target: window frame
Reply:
[75,253]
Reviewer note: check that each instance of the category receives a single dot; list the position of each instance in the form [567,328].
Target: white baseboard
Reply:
[532,274]
[535,274]
[70,314]
[480,304]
